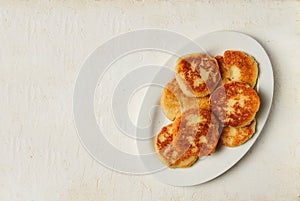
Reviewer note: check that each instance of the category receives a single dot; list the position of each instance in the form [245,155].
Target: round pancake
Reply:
[197,74]
[235,104]
[232,136]
[173,101]
[238,66]
[198,132]
[195,133]
[168,153]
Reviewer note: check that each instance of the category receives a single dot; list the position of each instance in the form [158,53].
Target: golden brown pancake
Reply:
[235,104]
[194,133]
[197,74]
[173,101]
[238,66]
[168,153]
[232,136]
[197,131]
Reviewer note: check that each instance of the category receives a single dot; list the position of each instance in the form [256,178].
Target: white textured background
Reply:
[44,43]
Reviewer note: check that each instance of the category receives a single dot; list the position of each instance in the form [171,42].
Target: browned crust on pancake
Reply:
[167,134]
[247,66]
[212,138]
[199,136]
[235,104]
[165,149]
[190,68]
[233,137]
[195,133]
[173,101]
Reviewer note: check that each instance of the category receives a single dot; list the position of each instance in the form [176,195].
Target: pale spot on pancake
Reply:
[204,74]
[197,82]
[230,104]
[193,119]
[234,73]
[194,149]
[162,138]
[167,149]
[242,100]
[190,139]
[193,66]
[174,154]
[202,139]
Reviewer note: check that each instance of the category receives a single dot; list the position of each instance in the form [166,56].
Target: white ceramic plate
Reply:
[224,158]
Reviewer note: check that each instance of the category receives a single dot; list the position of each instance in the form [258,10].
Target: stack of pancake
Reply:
[210,101]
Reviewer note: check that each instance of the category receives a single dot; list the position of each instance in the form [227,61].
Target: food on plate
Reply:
[198,129]
[233,136]
[197,74]
[173,101]
[195,133]
[238,66]
[207,106]
[167,151]
[235,104]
